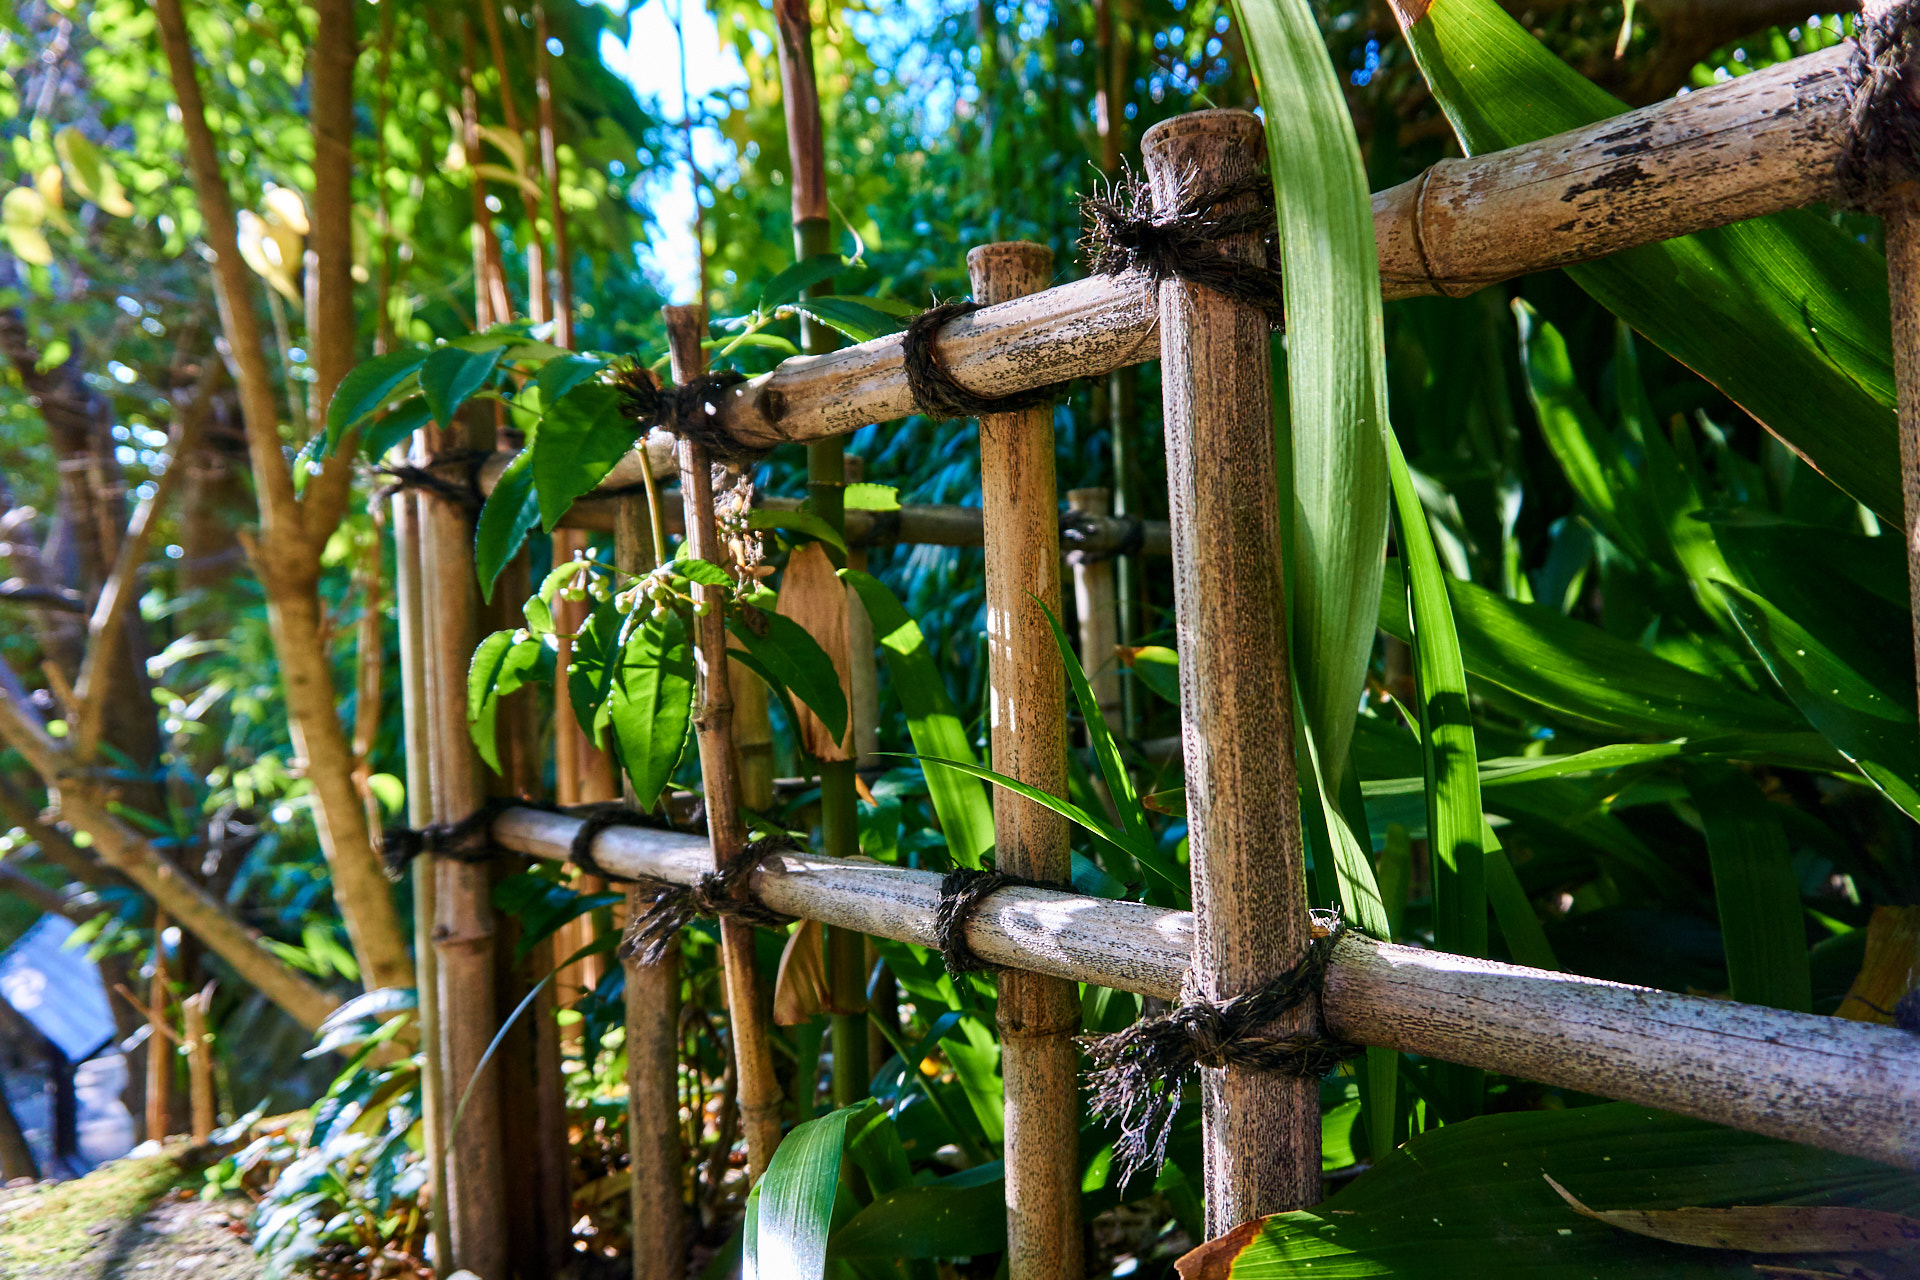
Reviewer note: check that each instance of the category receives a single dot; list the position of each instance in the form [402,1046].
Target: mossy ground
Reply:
[124,1219]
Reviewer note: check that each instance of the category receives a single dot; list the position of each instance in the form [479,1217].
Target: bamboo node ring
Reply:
[1138,1074]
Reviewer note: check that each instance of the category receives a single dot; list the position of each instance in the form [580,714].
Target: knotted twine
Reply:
[722,892]
[1883,113]
[690,410]
[468,497]
[1138,1074]
[961,893]
[1122,233]
[936,393]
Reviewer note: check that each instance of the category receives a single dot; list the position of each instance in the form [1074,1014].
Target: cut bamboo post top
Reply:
[1852,1087]
[1754,145]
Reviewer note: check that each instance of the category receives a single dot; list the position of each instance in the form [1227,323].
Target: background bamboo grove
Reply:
[1561,621]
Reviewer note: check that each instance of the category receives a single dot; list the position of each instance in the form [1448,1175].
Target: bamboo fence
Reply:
[1764,142]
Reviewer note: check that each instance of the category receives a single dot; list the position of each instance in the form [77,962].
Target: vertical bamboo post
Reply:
[160,1042]
[1095,602]
[583,774]
[1901,218]
[463,934]
[653,1026]
[1261,1132]
[760,1097]
[1038,1016]
[408,576]
[193,1028]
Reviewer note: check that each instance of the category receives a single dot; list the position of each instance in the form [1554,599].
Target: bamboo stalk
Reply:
[1260,1131]
[1037,1015]
[760,1098]
[1833,1083]
[193,1028]
[1754,145]
[655,1154]
[550,179]
[1901,218]
[1096,603]
[408,576]
[160,1041]
[463,934]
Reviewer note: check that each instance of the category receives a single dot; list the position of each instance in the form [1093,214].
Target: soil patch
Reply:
[128,1220]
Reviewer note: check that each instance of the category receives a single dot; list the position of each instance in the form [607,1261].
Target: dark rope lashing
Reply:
[690,410]
[720,892]
[1883,113]
[936,393]
[594,819]
[1122,233]
[468,496]
[961,893]
[1078,529]
[470,839]
[1138,1074]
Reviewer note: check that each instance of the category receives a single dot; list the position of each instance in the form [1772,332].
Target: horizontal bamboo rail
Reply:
[915,524]
[1852,1087]
[1758,144]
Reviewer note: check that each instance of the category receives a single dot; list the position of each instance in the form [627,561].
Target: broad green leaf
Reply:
[1336,362]
[1158,668]
[789,1241]
[1454,820]
[450,375]
[858,318]
[705,572]
[581,438]
[934,1221]
[650,707]
[394,427]
[592,666]
[562,374]
[366,388]
[1869,724]
[804,274]
[1469,1200]
[1519,924]
[1451,760]
[863,496]
[798,522]
[1762,923]
[1787,315]
[798,663]
[500,665]
[966,815]
[1586,675]
[90,174]
[510,513]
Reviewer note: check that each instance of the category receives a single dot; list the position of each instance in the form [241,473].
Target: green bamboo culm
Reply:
[1337,407]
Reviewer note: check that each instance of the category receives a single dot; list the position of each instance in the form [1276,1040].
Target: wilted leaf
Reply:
[1785,1228]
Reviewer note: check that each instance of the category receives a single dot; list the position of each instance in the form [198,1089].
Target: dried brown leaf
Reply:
[1762,1228]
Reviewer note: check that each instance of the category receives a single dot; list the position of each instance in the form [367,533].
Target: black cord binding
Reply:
[936,393]
[689,410]
[1122,233]
[1138,1074]
[961,894]
[718,893]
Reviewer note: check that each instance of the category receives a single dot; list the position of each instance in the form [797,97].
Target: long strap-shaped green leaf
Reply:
[1787,314]
[788,1238]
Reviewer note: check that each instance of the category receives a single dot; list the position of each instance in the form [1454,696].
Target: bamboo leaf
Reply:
[804,274]
[857,318]
[798,522]
[1469,1200]
[965,813]
[366,388]
[797,663]
[450,375]
[940,1220]
[1787,314]
[1336,361]
[1133,817]
[580,439]
[650,706]
[789,1239]
[1762,921]
[510,513]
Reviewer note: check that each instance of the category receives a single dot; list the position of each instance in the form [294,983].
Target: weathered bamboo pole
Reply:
[463,934]
[655,1158]
[160,1040]
[1037,1015]
[1260,1131]
[760,1098]
[1096,603]
[1846,1086]
[1901,219]
[408,576]
[1754,145]
[193,1029]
